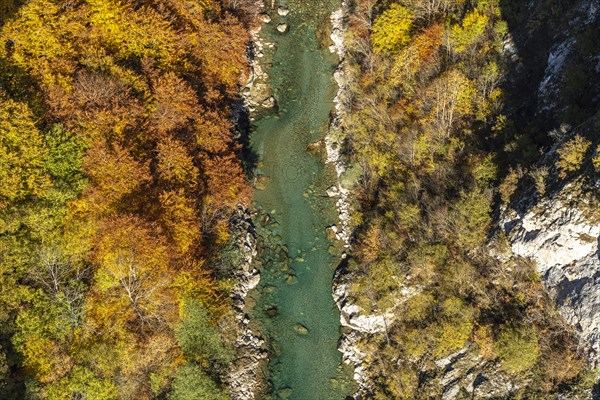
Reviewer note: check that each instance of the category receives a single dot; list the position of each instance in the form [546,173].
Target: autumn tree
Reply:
[133,273]
[571,154]
[22,154]
[391,29]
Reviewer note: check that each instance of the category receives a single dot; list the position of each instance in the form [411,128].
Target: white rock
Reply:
[266,18]
[283,27]
[332,191]
[283,11]
[564,243]
[244,377]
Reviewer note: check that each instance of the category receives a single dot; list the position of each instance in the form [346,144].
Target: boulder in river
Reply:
[332,232]
[291,279]
[315,147]
[283,27]
[333,191]
[283,11]
[270,102]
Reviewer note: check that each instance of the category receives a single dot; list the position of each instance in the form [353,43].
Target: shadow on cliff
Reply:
[537,28]
[533,27]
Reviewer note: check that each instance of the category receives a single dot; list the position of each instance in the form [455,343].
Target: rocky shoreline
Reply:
[355,323]
[244,379]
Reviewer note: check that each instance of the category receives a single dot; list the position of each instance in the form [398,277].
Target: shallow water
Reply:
[297,267]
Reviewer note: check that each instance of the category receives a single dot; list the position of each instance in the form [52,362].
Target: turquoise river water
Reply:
[294,303]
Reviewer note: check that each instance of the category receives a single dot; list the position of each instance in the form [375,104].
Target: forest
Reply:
[118,174]
[433,129]
[121,166]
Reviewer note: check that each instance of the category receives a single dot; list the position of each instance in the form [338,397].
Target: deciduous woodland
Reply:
[118,173]
[429,128]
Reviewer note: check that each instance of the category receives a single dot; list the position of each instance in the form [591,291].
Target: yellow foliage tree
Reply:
[571,155]
[469,32]
[22,153]
[391,30]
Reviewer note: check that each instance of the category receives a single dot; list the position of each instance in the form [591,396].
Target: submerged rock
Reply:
[261,182]
[291,279]
[283,254]
[285,393]
[267,289]
[301,329]
[272,312]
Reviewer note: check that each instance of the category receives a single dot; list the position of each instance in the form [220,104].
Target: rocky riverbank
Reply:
[357,325]
[244,379]
[257,94]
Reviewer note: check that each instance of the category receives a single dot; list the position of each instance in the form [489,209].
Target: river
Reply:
[294,303]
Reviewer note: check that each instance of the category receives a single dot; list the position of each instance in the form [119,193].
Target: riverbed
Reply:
[294,304]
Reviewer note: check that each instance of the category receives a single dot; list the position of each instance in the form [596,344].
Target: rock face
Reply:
[560,235]
[545,46]
[582,14]
[465,374]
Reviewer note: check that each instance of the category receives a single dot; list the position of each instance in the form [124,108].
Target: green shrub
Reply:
[191,383]
[517,348]
[197,336]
